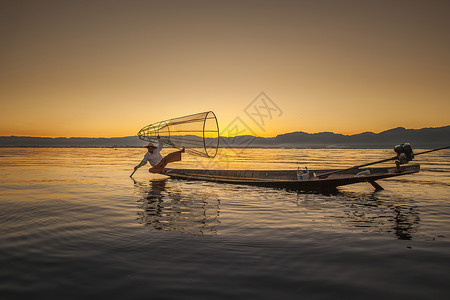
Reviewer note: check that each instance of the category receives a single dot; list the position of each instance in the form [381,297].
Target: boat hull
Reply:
[288,178]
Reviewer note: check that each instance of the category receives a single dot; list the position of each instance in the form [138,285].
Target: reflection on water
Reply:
[73,224]
[165,207]
[190,207]
[396,216]
[406,222]
[367,212]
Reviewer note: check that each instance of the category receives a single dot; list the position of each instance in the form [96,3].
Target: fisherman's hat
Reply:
[150,145]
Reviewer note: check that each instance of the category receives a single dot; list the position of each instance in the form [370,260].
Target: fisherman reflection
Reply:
[152,203]
[165,207]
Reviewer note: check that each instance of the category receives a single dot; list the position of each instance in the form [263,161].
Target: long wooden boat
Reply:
[289,179]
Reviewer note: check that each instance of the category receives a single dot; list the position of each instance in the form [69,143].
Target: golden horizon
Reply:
[340,67]
[257,135]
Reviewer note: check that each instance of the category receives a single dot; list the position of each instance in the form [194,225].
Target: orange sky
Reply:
[107,68]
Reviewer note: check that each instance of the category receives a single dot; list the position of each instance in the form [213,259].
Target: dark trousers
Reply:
[171,157]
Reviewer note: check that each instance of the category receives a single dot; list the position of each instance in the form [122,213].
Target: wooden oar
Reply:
[428,151]
[325,175]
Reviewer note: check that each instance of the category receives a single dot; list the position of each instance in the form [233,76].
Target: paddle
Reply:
[325,175]
[136,169]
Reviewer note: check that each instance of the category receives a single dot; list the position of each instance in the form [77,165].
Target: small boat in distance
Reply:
[314,180]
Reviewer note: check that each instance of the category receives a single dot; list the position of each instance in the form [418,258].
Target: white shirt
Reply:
[153,158]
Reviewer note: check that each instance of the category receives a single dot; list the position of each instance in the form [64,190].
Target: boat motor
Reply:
[404,153]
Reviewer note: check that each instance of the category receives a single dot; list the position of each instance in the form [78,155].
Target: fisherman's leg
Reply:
[159,168]
[156,170]
[172,157]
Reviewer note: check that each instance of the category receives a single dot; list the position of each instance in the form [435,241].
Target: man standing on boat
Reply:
[154,157]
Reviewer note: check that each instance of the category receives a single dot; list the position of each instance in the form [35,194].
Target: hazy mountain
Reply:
[419,138]
[23,141]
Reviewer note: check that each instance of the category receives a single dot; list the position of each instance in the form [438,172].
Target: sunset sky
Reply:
[104,68]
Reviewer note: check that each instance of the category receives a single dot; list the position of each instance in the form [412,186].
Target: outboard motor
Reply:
[404,153]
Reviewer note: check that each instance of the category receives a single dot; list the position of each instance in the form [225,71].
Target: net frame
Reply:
[194,132]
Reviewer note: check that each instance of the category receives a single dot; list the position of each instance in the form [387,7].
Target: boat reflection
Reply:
[192,208]
[406,221]
[368,212]
[164,206]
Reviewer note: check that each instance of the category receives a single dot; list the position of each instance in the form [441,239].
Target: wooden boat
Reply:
[288,179]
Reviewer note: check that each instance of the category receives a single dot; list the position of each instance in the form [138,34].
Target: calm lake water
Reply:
[74,225]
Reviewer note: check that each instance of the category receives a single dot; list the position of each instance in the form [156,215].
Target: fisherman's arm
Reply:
[142,163]
[160,144]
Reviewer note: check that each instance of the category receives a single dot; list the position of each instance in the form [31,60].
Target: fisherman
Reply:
[154,157]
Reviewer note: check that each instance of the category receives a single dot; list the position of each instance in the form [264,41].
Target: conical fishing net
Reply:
[198,133]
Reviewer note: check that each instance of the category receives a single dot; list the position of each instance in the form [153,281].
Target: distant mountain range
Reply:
[419,138]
